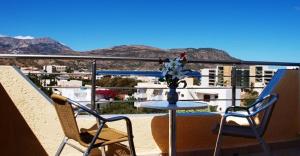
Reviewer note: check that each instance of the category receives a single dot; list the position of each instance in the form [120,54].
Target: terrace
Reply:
[33,125]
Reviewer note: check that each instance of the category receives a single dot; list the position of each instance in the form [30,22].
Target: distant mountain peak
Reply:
[24,37]
[129,47]
[139,46]
[30,45]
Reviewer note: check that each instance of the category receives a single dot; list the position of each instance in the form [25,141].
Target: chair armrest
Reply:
[262,99]
[128,123]
[95,114]
[236,115]
[117,118]
[273,98]
[236,108]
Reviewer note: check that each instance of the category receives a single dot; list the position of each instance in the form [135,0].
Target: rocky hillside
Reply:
[32,46]
[140,51]
[152,52]
[48,46]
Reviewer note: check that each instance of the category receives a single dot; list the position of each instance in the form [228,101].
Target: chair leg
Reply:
[219,139]
[61,146]
[264,146]
[103,151]
[260,139]
[131,146]
[130,138]
[87,152]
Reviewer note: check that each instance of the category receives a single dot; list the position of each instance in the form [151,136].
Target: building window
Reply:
[206,97]
[142,99]
[157,92]
[142,90]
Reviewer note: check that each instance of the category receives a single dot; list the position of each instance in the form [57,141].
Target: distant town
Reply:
[213,88]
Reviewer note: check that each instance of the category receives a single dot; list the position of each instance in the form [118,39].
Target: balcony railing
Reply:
[93,60]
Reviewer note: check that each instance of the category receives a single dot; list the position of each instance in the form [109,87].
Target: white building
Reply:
[153,91]
[69,83]
[81,75]
[218,76]
[54,68]
[209,78]
[81,95]
[253,76]
[292,67]
[263,75]
[32,70]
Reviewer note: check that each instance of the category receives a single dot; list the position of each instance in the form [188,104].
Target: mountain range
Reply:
[48,46]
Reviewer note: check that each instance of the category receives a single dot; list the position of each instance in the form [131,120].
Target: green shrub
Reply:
[249,98]
[212,108]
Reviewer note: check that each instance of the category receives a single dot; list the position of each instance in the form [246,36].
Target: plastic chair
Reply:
[261,108]
[88,138]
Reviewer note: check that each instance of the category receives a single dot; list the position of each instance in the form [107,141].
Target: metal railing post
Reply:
[233,84]
[93,89]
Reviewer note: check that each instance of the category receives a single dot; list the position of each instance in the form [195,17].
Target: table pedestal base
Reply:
[172,132]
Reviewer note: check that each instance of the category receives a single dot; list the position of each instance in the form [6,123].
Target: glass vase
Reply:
[172,96]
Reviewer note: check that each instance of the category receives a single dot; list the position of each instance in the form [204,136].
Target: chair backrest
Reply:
[265,114]
[264,108]
[66,116]
[269,89]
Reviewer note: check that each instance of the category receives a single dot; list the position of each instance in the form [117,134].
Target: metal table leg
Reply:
[172,132]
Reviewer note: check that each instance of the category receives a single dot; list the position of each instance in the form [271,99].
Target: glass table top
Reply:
[180,105]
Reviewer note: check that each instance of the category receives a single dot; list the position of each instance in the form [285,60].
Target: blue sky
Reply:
[246,29]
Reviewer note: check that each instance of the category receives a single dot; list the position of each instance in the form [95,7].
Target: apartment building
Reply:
[219,76]
[209,77]
[54,68]
[242,77]
[246,76]
[261,75]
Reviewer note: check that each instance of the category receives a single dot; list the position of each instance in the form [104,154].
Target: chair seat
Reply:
[241,131]
[235,130]
[107,136]
[241,121]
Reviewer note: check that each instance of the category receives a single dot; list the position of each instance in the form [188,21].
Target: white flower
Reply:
[164,71]
[175,69]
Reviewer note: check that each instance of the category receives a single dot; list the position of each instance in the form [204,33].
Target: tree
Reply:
[251,86]
[69,70]
[250,97]
[196,81]
[36,80]
[118,82]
